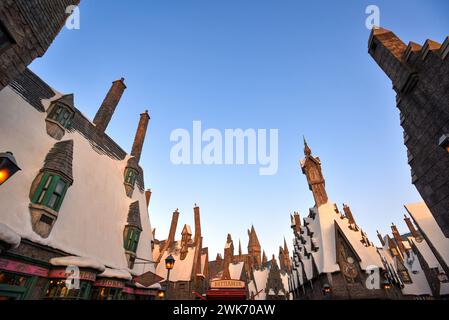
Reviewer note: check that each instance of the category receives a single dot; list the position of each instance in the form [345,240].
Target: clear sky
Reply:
[298,66]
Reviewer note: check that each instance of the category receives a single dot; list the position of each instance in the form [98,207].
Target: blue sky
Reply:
[296,66]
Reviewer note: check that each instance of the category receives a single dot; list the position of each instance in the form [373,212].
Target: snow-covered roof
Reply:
[9,236]
[260,283]
[117,274]
[235,270]
[428,225]
[182,270]
[81,262]
[95,172]
[319,246]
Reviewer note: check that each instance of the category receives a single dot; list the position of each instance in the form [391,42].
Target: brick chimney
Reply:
[148,197]
[196,211]
[398,238]
[136,151]
[173,226]
[296,222]
[411,227]
[104,114]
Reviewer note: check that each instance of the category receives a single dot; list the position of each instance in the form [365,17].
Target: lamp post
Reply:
[8,166]
[169,264]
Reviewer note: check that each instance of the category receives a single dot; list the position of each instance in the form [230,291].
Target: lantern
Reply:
[444,141]
[8,166]
[170,262]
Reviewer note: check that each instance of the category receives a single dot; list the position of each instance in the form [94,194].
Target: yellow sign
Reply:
[227,284]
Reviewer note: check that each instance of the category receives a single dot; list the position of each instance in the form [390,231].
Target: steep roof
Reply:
[134,215]
[429,227]
[253,239]
[59,159]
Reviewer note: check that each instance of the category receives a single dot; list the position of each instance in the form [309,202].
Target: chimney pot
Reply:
[140,135]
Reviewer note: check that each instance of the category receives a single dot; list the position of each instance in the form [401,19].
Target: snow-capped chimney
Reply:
[140,135]
[196,211]
[107,108]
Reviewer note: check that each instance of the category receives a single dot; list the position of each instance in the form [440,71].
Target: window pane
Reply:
[60,187]
[51,203]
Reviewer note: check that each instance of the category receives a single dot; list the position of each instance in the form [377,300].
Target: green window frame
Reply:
[130,176]
[62,114]
[132,236]
[50,191]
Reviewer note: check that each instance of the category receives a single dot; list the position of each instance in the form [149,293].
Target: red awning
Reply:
[226,294]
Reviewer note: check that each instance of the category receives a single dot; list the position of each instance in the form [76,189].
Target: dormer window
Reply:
[131,236]
[5,38]
[130,176]
[62,115]
[50,191]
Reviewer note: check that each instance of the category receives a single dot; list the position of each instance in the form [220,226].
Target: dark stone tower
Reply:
[27,29]
[311,167]
[420,77]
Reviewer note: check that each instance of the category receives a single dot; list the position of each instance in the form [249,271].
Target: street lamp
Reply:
[169,264]
[327,289]
[161,294]
[8,166]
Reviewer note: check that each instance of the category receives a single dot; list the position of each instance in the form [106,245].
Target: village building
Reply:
[333,257]
[78,207]
[269,282]
[27,29]
[417,262]
[419,77]
[189,278]
[249,275]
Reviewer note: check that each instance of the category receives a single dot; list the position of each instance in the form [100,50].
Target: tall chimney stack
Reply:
[196,211]
[398,238]
[173,226]
[148,197]
[104,114]
[136,151]
[411,227]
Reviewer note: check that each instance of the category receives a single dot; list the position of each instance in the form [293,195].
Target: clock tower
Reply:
[311,167]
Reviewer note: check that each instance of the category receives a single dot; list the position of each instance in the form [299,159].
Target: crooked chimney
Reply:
[196,211]
[173,226]
[107,108]
[411,227]
[148,196]
[136,151]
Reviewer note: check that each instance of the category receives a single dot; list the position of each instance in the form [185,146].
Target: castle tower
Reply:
[284,258]
[419,77]
[311,168]
[254,249]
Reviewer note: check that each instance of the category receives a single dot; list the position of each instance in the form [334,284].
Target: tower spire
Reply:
[307,150]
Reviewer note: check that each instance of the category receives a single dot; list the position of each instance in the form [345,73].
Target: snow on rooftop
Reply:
[235,270]
[428,225]
[9,236]
[117,274]
[260,279]
[76,231]
[182,270]
[81,262]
